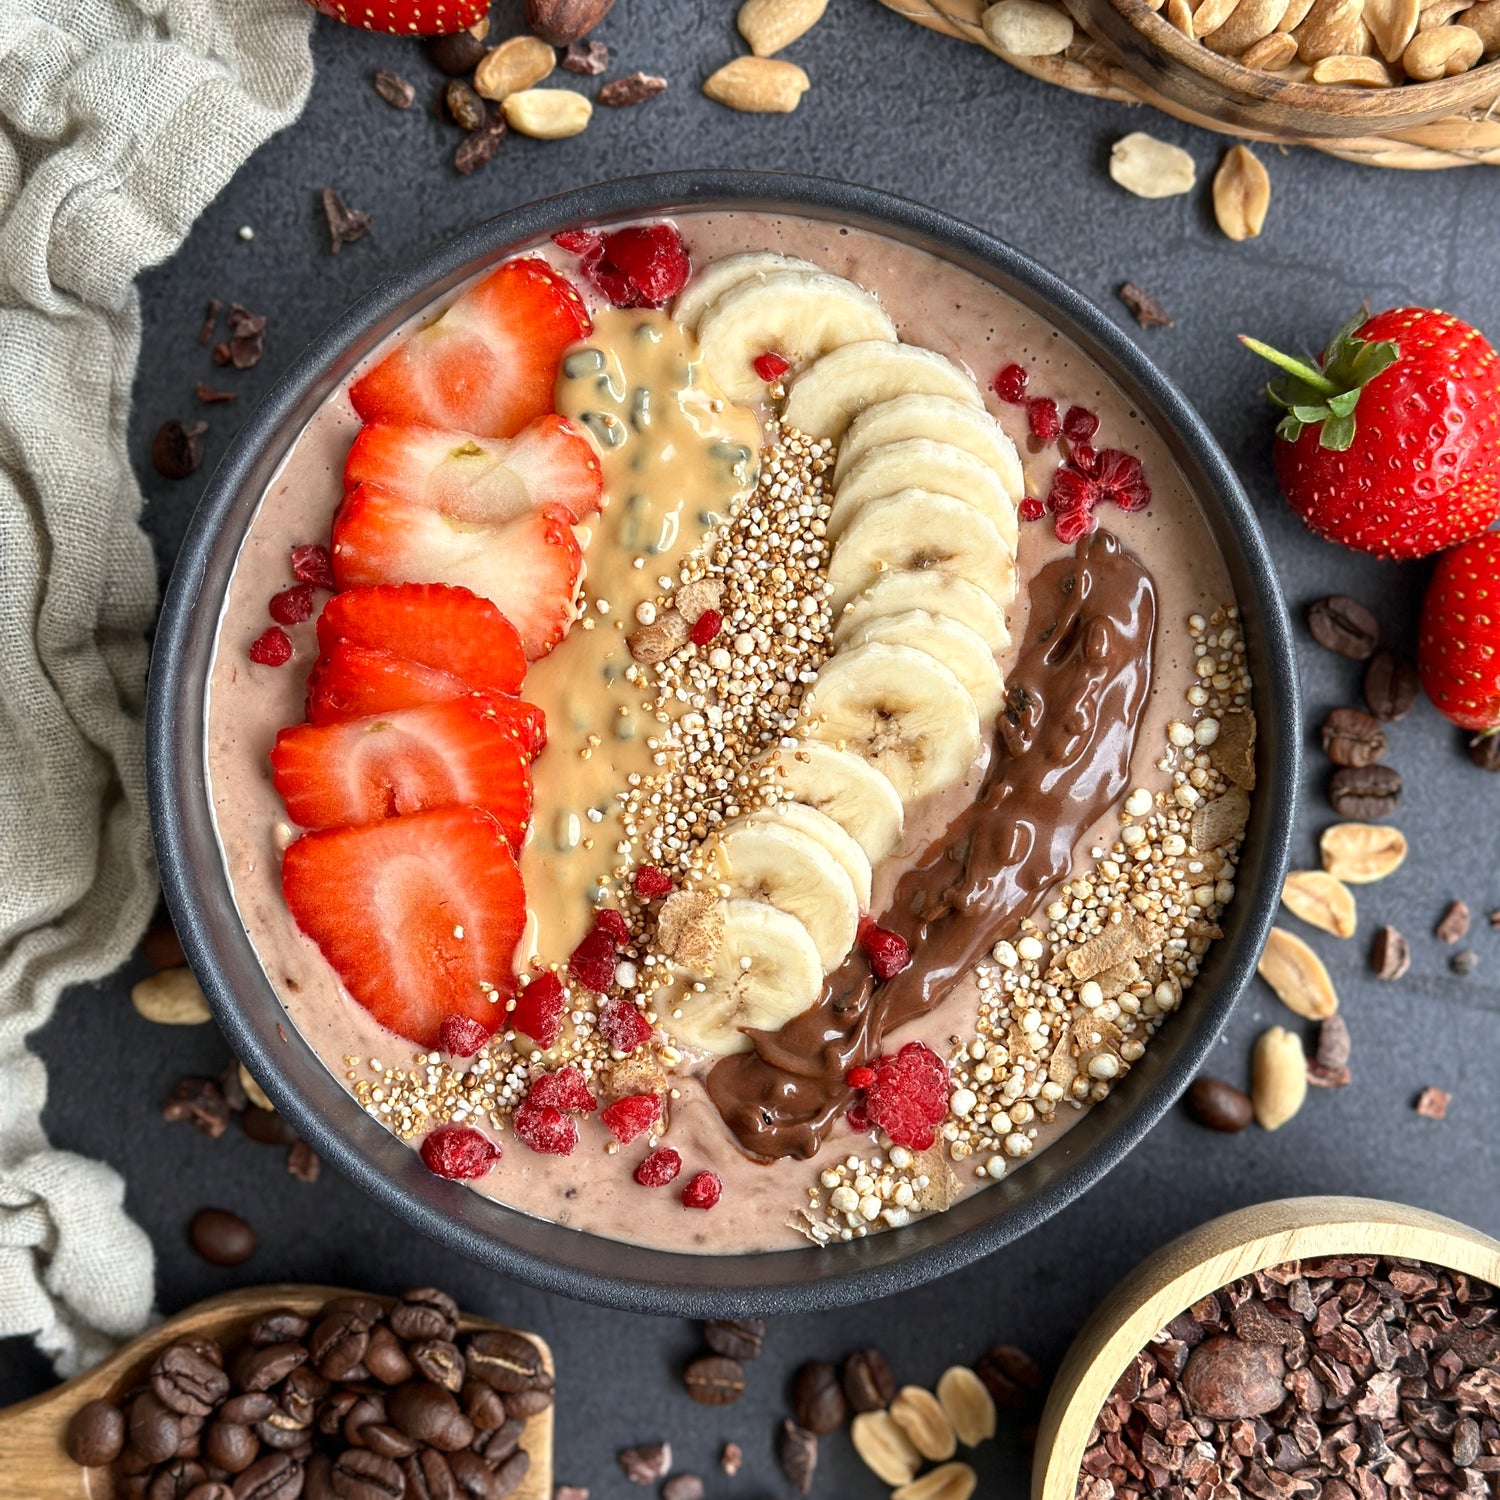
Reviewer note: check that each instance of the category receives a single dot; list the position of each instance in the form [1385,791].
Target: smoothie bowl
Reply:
[725,744]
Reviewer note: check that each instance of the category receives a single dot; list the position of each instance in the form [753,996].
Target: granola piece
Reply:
[690,928]
[657,641]
[1132,938]
[1222,820]
[634,1075]
[695,597]
[1062,1066]
[943,1188]
[1116,980]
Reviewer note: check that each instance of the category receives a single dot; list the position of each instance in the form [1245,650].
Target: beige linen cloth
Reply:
[119,121]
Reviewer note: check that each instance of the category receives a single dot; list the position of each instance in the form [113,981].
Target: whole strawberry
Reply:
[405,17]
[1391,442]
[1458,650]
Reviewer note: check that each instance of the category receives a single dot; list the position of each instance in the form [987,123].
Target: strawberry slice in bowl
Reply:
[418,916]
[488,365]
[411,761]
[483,480]
[528,567]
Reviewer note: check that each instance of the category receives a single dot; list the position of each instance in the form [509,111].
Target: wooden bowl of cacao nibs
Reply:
[1305,1349]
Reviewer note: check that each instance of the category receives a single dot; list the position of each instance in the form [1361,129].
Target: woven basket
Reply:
[1089,67]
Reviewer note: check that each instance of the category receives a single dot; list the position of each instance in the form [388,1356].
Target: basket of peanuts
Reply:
[1394,83]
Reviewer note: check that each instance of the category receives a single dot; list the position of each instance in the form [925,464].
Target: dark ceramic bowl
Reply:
[565,1260]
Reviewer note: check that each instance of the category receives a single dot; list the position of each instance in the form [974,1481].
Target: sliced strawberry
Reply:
[406,17]
[488,364]
[353,682]
[418,916]
[454,754]
[440,626]
[529,568]
[483,480]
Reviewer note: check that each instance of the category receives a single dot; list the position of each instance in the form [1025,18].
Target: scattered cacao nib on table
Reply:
[1464,962]
[636,88]
[345,224]
[1454,923]
[1390,954]
[1345,1378]
[210,322]
[397,91]
[1432,1104]
[588,58]
[646,1463]
[1328,1067]
[211,397]
[1484,751]
[1144,308]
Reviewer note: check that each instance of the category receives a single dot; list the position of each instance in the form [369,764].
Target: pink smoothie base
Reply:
[933,303]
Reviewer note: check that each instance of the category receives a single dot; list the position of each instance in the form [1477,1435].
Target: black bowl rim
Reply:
[548,1255]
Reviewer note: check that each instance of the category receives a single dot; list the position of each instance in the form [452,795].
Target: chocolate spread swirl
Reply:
[1061,760]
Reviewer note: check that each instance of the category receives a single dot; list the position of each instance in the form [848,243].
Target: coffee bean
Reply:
[1390,954]
[279,1327]
[368,1411]
[176,1480]
[397,91]
[388,1441]
[527,1403]
[230,1446]
[868,1382]
[385,1358]
[338,1343]
[1454,923]
[484,1407]
[1391,686]
[714,1380]
[187,1381]
[276,1476]
[428,1477]
[457,53]
[818,1398]
[498,1445]
[1364,793]
[465,108]
[505,1361]
[252,1406]
[1344,625]
[1352,738]
[155,1430]
[360,1475]
[259,1369]
[1329,1065]
[216,1489]
[797,1450]
[683,1487]
[1219,1105]
[177,450]
[509,1475]
[1011,1376]
[221,1238]
[736,1338]
[439,1361]
[429,1414]
[318,1484]
[1225,1378]
[424,1313]
[1484,750]
[267,1127]
[96,1433]
[278,1434]
[474,1478]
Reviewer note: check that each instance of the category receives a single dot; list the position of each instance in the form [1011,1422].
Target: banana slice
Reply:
[849,790]
[920,463]
[818,826]
[801,315]
[719,276]
[775,863]
[960,649]
[766,972]
[938,593]
[826,398]
[915,531]
[900,709]
[944,420]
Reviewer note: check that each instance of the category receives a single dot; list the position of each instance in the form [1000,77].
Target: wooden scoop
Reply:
[34,1465]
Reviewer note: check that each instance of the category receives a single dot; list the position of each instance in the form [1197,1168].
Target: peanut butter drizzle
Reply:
[1062,753]
[676,454]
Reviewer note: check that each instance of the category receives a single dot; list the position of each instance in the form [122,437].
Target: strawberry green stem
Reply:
[1310,374]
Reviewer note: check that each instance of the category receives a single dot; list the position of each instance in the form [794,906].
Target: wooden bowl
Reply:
[1201,1262]
[1186,72]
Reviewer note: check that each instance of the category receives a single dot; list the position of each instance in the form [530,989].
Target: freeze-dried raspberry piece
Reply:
[623,1026]
[613,922]
[461,1036]
[1080,425]
[651,882]
[312,564]
[592,962]
[654,259]
[292,606]
[860,1078]
[706,627]
[702,1191]
[1031,509]
[659,1168]
[858,1120]
[1043,420]
[1072,490]
[271,648]
[459,1153]
[1009,384]
[545,1128]
[1075,526]
[578,241]
[1122,480]
[631,1117]
[887,951]
[770,366]
[564,1089]
[909,1096]
[539,1010]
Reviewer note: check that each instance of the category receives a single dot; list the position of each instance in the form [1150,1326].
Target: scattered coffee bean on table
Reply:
[1352,738]
[1219,1105]
[1011,1376]
[1340,1378]
[818,1397]
[1433,1104]
[869,1384]
[328,1408]
[1453,924]
[221,1238]
[397,91]
[736,1338]
[1392,686]
[715,1380]
[1364,793]
[177,450]
[457,53]
[1344,625]
[1484,751]
[797,1450]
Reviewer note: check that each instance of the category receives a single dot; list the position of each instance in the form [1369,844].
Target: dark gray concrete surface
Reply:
[902,109]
